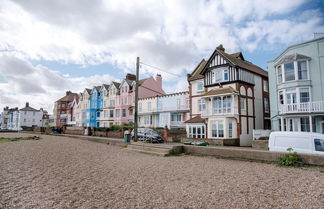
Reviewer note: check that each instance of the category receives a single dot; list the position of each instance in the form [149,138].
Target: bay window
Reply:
[196,131]
[217,129]
[279,74]
[222,105]
[289,71]
[302,70]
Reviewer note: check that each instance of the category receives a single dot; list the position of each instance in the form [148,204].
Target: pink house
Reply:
[124,110]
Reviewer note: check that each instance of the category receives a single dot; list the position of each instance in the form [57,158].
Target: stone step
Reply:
[161,150]
[148,152]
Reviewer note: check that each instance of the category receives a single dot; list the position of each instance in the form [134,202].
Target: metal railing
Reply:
[305,107]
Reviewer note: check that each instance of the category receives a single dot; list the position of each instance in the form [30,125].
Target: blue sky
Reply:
[70,45]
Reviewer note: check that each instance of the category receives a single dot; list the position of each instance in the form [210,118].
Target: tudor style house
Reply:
[297,96]
[229,97]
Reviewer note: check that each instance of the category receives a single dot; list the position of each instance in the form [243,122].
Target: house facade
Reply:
[170,110]
[296,95]
[61,109]
[30,117]
[124,111]
[229,97]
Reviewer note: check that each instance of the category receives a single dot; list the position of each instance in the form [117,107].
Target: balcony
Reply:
[219,112]
[177,124]
[307,107]
[147,111]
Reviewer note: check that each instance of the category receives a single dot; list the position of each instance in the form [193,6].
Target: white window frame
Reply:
[200,86]
[243,104]
[201,105]
[230,128]
[191,134]
[219,125]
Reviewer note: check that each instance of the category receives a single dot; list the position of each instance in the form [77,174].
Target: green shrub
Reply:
[290,159]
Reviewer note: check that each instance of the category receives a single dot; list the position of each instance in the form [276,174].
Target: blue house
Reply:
[96,106]
[296,95]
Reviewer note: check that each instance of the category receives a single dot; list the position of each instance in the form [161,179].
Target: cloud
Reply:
[172,34]
[38,84]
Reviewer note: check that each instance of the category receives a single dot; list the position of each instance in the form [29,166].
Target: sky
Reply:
[50,47]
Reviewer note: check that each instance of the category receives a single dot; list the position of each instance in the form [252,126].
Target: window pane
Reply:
[304,124]
[289,72]
[226,75]
[279,74]
[304,94]
[220,129]
[319,145]
[214,129]
[302,70]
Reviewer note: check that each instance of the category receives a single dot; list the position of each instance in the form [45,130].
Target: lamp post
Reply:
[136,100]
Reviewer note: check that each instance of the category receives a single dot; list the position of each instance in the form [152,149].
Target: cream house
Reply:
[228,99]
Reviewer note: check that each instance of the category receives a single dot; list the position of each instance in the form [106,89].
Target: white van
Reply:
[301,142]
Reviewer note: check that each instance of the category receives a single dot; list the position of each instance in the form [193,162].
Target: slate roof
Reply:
[116,84]
[196,73]
[196,119]
[98,88]
[68,98]
[88,90]
[29,109]
[227,90]
[291,58]
[243,64]
[106,86]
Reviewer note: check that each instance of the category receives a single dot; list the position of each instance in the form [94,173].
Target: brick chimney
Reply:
[221,48]
[130,76]
[27,104]
[158,78]
[68,92]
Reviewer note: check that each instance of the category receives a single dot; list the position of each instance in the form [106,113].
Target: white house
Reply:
[30,117]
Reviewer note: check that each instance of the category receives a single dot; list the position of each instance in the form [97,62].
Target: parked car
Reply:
[147,135]
[301,142]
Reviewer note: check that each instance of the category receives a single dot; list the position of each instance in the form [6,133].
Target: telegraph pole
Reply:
[136,99]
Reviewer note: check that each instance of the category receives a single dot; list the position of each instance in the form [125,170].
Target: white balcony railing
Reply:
[222,111]
[305,107]
[177,123]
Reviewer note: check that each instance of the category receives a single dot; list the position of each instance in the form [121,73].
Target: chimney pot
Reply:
[221,48]
[27,104]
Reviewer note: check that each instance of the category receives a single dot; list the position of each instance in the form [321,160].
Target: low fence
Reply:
[249,154]
[94,132]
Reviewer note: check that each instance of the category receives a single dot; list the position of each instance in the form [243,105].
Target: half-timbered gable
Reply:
[222,68]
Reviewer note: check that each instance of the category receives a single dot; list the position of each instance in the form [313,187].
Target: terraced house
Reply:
[297,95]
[229,97]
[170,110]
[62,109]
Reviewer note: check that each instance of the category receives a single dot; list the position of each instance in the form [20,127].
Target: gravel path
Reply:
[59,172]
